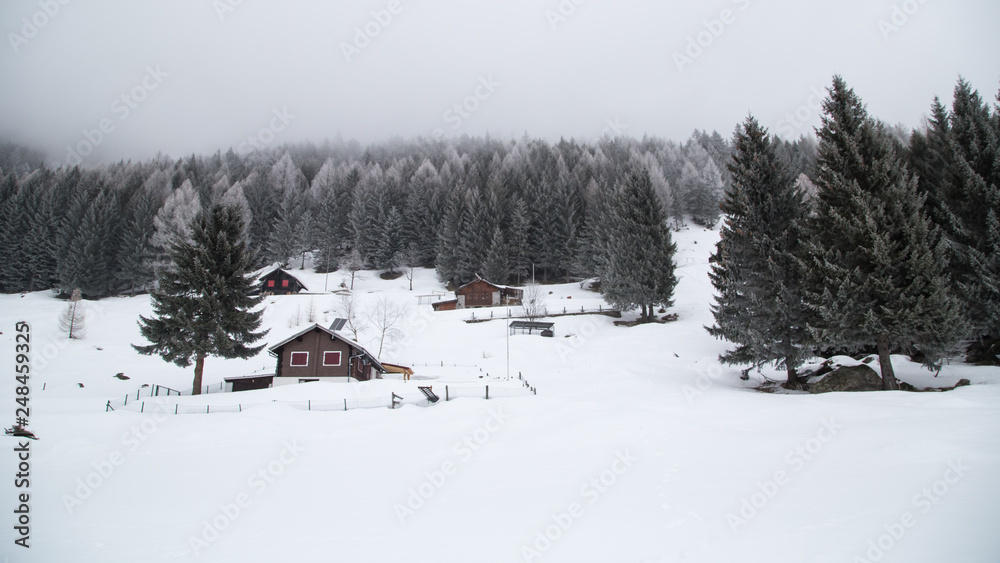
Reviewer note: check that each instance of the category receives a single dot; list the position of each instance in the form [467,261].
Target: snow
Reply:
[638,447]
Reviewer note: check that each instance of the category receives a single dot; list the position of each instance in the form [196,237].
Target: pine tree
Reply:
[203,306]
[136,254]
[520,224]
[450,237]
[92,256]
[390,243]
[638,265]
[288,239]
[974,213]
[173,220]
[496,266]
[878,268]
[759,305]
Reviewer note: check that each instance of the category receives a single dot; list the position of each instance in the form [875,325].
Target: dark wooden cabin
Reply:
[277,281]
[320,354]
[481,293]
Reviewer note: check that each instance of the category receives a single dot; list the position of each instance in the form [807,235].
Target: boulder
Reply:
[854,378]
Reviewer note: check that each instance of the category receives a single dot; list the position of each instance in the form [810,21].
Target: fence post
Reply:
[487,392]
[446,397]
[126,400]
[345,404]
[175,407]
[142,406]
[208,409]
[309,405]
[240,405]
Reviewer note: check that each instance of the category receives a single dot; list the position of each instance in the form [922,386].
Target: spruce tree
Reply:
[638,265]
[203,305]
[136,254]
[878,268]
[759,305]
[496,266]
[974,207]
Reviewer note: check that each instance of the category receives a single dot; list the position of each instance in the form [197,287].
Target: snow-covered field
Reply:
[638,447]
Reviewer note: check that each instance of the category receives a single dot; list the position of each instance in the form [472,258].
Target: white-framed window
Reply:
[299,359]
[332,358]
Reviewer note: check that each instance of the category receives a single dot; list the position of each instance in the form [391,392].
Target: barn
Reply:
[481,293]
[277,281]
[318,353]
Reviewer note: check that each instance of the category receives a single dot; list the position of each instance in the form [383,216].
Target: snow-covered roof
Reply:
[335,335]
[274,268]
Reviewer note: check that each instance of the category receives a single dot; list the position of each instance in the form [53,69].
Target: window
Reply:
[299,359]
[270,283]
[331,358]
[284,283]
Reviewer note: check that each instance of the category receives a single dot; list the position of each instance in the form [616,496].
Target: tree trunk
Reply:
[199,367]
[888,376]
[792,382]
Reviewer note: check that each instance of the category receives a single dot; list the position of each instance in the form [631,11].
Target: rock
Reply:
[856,378]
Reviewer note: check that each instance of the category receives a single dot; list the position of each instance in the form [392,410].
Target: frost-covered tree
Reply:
[878,266]
[204,303]
[638,266]
[973,224]
[759,305]
[496,266]
[73,320]
[173,220]
[136,254]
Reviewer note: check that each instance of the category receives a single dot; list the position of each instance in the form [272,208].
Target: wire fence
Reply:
[545,312]
[394,401]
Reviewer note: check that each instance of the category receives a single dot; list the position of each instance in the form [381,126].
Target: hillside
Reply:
[639,446]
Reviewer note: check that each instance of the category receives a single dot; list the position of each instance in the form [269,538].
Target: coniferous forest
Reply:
[861,238]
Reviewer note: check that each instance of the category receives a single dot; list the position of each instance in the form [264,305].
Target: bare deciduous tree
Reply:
[72,321]
[533,302]
[385,317]
[348,309]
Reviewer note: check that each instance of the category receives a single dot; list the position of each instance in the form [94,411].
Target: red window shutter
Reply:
[270,283]
[299,359]
[284,283]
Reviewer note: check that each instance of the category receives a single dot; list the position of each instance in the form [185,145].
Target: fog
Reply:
[126,79]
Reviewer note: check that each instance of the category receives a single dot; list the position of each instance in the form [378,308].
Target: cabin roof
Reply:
[275,268]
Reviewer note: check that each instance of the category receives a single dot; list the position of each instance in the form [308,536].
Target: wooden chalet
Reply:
[318,353]
[481,293]
[277,281]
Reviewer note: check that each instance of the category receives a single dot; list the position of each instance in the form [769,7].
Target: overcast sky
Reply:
[183,76]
